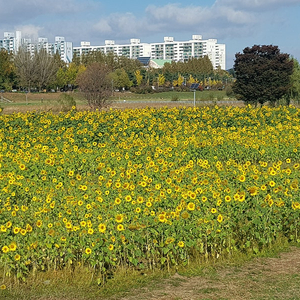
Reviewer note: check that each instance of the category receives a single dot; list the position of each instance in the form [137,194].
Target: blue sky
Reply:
[236,23]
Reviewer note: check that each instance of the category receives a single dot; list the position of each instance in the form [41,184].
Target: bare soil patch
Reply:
[261,278]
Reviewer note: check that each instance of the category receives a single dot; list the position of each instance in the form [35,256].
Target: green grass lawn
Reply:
[21,102]
[168,96]
[40,98]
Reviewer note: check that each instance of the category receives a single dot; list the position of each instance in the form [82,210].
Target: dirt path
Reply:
[263,278]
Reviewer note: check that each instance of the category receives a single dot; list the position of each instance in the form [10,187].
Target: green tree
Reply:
[67,75]
[7,71]
[294,91]
[61,78]
[128,64]
[120,79]
[262,74]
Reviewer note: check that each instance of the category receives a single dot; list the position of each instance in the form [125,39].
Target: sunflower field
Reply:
[145,187]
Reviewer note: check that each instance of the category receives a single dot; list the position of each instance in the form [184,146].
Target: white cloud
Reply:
[37,6]
[30,31]
[218,19]
[254,5]
[120,24]
[103,27]
[176,14]
[23,11]
[224,17]
[197,15]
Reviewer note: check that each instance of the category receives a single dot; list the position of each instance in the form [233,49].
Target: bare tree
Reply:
[46,68]
[37,70]
[25,68]
[95,85]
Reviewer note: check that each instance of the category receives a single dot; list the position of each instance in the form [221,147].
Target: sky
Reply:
[236,23]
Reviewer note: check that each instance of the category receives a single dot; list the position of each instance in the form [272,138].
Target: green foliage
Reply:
[175,98]
[229,91]
[145,188]
[142,90]
[120,79]
[7,71]
[198,66]
[262,75]
[294,91]
[111,60]
[67,75]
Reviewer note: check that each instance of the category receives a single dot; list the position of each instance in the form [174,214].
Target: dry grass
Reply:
[39,102]
[270,278]
[261,278]
[42,102]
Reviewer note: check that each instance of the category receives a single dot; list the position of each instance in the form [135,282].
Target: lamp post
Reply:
[194,86]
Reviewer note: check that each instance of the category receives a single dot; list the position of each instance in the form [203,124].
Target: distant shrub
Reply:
[229,91]
[66,102]
[182,88]
[142,90]
[175,98]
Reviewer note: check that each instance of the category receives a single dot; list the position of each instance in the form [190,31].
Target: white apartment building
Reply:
[168,49]
[9,42]
[12,43]
[65,49]
[133,50]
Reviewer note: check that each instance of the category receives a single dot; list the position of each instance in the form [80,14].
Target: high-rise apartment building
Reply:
[168,49]
[12,43]
[65,49]
[8,42]
[133,50]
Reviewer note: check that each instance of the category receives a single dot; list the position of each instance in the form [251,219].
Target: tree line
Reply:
[261,74]
[42,71]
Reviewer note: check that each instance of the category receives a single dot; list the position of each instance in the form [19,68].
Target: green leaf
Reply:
[165,250]
[138,252]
